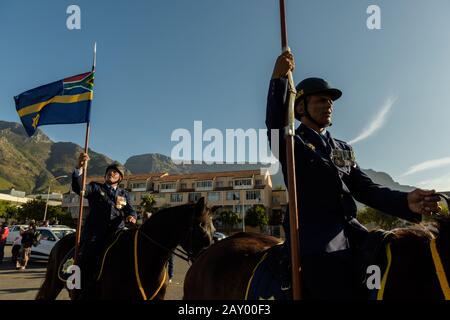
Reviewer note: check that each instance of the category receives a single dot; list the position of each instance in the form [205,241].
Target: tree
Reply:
[256,216]
[276,218]
[370,216]
[148,204]
[445,209]
[229,219]
[8,211]
[12,212]
[35,209]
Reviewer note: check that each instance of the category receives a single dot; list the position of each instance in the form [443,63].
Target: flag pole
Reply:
[289,134]
[83,180]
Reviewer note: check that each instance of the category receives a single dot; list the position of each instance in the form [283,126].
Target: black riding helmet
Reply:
[314,86]
[116,166]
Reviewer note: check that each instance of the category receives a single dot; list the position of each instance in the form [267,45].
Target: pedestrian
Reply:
[4,232]
[30,237]
[170,267]
[15,250]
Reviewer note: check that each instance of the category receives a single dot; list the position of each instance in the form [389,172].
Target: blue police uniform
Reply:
[103,220]
[328,178]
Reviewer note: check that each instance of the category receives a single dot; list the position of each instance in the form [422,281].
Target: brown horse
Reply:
[223,270]
[134,267]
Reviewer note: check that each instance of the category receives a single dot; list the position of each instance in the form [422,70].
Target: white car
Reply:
[49,236]
[218,236]
[14,232]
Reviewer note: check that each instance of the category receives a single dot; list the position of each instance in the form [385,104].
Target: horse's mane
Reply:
[439,225]
[165,211]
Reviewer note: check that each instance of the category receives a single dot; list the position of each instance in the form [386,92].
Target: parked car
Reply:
[49,236]
[14,232]
[217,236]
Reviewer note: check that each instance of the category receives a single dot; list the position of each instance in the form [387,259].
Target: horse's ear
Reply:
[200,205]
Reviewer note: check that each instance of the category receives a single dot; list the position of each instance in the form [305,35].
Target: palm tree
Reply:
[148,204]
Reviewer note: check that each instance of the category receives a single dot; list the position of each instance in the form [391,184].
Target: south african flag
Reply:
[60,102]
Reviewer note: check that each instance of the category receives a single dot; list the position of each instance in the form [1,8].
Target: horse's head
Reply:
[201,230]
[189,226]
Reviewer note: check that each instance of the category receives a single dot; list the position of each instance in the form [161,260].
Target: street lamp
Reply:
[48,194]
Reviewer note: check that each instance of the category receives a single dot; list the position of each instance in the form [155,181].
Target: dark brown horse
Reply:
[135,265]
[223,270]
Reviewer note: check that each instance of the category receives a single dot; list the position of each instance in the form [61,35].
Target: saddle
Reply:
[69,258]
[271,278]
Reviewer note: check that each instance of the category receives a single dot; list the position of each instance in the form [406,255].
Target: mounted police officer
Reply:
[328,178]
[109,208]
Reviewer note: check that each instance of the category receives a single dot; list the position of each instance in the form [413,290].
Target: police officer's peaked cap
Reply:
[116,166]
[316,86]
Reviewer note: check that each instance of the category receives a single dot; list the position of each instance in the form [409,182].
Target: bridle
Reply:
[187,255]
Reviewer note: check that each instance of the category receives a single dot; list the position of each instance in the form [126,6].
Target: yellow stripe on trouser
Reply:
[385,276]
[136,271]
[104,256]
[253,273]
[440,272]
[56,99]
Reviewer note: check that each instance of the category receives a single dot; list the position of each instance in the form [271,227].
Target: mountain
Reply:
[29,164]
[155,162]
[386,180]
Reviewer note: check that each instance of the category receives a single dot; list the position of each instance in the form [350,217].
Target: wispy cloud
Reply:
[440,184]
[426,165]
[378,122]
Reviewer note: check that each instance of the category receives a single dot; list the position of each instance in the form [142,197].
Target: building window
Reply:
[204,184]
[176,197]
[168,186]
[233,195]
[137,185]
[241,209]
[183,186]
[194,196]
[213,196]
[258,183]
[219,184]
[242,182]
[253,195]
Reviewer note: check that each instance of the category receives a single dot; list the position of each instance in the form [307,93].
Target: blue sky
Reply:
[163,64]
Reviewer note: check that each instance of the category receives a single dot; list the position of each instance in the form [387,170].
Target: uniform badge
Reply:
[120,202]
[343,158]
[311,146]
[338,158]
